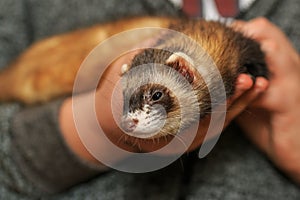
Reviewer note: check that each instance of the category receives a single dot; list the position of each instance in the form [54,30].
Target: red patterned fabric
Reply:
[224,8]
[192,8]
[228,8]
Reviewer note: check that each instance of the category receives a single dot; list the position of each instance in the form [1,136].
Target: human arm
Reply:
[23,22]
[243,96]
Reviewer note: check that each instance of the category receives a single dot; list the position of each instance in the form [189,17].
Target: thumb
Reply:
[239,104]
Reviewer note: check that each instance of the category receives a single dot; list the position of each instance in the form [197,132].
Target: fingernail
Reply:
[244,81]
[261,85]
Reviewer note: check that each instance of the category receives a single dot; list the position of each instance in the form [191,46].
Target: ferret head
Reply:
[158,97]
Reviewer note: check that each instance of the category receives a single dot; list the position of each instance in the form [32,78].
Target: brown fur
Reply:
[48,68]
[231,52]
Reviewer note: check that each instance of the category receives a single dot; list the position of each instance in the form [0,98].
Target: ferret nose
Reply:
[129,124]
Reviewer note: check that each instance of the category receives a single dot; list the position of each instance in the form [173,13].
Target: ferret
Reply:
[158,84]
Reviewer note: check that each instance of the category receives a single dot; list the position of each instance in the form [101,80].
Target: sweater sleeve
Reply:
[11,177]
[33,156]
[39,150]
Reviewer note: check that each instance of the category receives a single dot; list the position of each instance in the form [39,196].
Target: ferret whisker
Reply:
[210,112]
[153,141]
[181,163]
[218,104]
[118,106]
[249,112]
[121,138]
[220,112]
[181,140]
[157,140]
[139,145]
[165,137]
[108,80]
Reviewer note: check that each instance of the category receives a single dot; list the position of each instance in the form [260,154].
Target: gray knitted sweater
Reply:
[35,162]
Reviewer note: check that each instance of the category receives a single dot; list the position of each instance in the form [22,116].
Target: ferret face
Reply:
[157,94]
[147,110]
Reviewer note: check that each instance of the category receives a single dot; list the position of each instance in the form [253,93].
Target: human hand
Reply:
[272,121]
[245,93]
[236,104]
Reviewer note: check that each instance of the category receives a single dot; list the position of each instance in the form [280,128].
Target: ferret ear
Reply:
[124,68]
[182,63]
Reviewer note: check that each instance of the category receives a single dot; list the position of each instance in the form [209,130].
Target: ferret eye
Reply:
[156,96]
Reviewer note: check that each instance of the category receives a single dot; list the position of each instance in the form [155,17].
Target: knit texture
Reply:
[235,169]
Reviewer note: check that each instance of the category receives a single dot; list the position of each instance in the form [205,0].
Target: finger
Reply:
[238,25]
[243,83]
[279,53]
[259,28]
[246,99]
